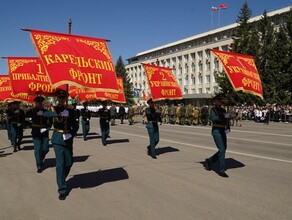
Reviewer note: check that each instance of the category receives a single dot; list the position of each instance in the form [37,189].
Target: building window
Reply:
[200,78]
[208,79]
[200,90]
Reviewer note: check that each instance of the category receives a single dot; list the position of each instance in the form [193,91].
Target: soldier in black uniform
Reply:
[153,117]
[104,114]
[62,139]
[40,131]
[8,121]
[86,116]
[220,120]
[77,117]
[17,125]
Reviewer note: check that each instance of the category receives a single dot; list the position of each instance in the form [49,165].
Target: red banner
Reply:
[76,60]
[84,95]
[162,83]
[6,93]
[28,76]
[241,71]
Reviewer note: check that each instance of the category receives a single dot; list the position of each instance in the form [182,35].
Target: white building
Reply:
[194,66]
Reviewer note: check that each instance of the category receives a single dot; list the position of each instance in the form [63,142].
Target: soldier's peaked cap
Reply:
[61,93]
[217,97]
[39,99]
[150,101]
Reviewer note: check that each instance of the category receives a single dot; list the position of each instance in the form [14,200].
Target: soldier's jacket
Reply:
[189,111]
[153,116]
[104,114]
[17,117]
[77,114]
[39,122]
[64,124]
[113,111]
[85,114]
[196,113]
[172,110]
[131,112]
[217,116]
[182,111]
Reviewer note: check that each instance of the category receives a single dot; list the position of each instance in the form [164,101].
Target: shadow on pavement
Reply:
[230,163]
[163,150]
[96,178]
[4,154]
[51,162]
[117,141]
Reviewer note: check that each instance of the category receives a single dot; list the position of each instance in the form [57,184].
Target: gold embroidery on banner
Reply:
[99,46]
[44,41]
[224,57]
[248,61]
[3,80]
[150,71]
[14,64]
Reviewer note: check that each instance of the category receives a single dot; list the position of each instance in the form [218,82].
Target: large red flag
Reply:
[76,60]
[28,76]
[241,71]
[6,93]
[162,83]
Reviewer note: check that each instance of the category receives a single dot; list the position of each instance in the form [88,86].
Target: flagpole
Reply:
[212,19]
[219,17]
[69,32]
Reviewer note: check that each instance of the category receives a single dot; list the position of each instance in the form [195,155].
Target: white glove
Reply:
[65,113]
[40,112]
[87,119]
[77,119]
[43,130]
[227,131]
[226,115]
[66,136]
[18,124]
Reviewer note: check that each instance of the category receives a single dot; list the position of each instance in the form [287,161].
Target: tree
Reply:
[128,86]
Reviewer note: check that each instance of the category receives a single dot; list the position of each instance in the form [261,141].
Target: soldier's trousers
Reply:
[104,128]
[220,139]
[41,148]
[8,127]
[64,162]
[16,135]
[85,128]
[153,132]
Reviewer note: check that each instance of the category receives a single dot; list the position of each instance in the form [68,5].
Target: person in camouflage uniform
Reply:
[189,114]
[171,114]
[182,114]
[131,115]
[196,114]
[177,114]
[165,114]
[113,114]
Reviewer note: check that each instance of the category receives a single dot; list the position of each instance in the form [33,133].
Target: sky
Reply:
[132,26]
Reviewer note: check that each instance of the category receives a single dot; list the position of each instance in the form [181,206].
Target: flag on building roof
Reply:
[214,9]
[223,6]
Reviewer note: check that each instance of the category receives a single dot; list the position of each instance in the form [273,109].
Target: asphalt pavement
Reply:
[120,181]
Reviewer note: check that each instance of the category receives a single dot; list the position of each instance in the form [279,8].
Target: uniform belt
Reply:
[152,121]
[38,126]
[219,126]
[61,131]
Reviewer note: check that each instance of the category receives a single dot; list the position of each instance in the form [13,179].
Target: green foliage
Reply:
[128,86]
